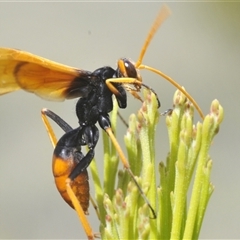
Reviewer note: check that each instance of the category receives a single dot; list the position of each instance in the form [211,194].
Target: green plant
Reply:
[123,213]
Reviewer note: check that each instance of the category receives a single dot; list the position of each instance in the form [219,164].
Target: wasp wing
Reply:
[47,79]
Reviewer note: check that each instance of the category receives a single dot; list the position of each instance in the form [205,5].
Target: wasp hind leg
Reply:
[45,113]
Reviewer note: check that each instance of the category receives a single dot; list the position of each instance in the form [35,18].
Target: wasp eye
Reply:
[126,68]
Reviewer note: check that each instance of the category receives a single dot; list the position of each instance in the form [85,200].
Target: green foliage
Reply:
[123,212]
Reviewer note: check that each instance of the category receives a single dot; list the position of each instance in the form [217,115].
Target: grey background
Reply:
[198,46]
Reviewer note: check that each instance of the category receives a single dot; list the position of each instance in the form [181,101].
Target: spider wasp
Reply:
[54,81]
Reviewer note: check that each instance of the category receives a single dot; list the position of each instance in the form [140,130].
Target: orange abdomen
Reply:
[80,185]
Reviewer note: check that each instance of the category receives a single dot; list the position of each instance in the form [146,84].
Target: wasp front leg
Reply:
[127,81]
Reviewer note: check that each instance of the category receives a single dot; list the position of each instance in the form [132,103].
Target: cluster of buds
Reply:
[179,208]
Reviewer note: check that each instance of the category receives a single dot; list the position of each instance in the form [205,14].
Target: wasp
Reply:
[56,82]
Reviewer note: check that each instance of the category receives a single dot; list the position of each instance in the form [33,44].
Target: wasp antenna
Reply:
[179,87]
[162,15]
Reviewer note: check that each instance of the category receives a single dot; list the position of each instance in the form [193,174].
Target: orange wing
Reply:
[47,79]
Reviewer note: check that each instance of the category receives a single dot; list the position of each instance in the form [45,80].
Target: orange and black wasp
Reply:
[54,82]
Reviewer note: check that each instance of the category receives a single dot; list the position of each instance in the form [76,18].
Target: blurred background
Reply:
[198,46]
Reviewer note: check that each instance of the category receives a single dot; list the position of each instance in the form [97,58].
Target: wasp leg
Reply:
[48,127]
[95,207]
[122,119]
[59,121]
[105,124]
[67,183]
[125,80]
[167,112]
